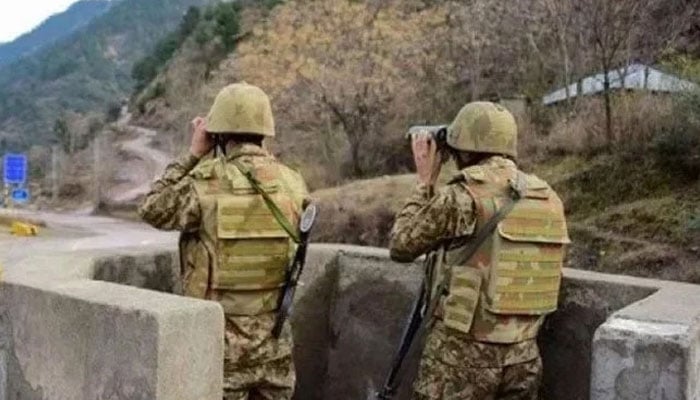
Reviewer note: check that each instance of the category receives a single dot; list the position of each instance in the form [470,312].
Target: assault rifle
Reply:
[424,308]
[296,268]
[421,317]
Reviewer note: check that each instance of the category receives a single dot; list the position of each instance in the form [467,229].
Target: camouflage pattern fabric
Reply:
[497,356]
[484,127]
[256,366]
[454,367]
[448,219]
[427,219]
[172,203]
[516,272]
[241,109]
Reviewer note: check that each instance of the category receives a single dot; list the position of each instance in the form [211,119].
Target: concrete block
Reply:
[154,269]
[3,374]
[368,314]
[567,335]
[694,363]
[95,340]
[310,322]
[641,360]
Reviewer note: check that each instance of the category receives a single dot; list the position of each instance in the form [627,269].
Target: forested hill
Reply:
[86,71]
[348,77]
[54,28]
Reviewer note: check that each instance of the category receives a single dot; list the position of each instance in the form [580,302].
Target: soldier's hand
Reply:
[427,158]
[201,141]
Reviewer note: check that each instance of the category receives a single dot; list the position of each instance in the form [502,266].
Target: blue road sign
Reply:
[20,196]
[15,169]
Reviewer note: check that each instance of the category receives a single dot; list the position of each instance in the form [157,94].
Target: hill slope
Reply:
[53,29]
[86,71]
[620,220]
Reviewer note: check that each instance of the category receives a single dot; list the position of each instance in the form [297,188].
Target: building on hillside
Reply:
[636,77]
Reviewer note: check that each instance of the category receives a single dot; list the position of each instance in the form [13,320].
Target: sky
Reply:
[18,17]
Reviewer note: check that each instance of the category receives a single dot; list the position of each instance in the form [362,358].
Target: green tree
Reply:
[146,69]
[62,134]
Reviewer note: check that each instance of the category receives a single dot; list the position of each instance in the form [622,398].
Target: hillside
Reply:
[347,78]
[53,29]
[87,71]
[631,228]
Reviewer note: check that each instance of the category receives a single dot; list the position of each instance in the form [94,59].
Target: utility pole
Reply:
[54,173]
[97,160]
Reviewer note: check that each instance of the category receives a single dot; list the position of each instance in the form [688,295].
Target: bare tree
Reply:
[563,24]
[612,27]
[357,64]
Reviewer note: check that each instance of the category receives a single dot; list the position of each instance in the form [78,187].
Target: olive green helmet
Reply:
[241,109]
[484,127]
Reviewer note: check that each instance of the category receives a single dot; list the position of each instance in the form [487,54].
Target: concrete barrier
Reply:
[614,337]
[65,336]
[79,326]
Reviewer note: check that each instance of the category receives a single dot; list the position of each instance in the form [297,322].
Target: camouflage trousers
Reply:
[257,366]
[456,368]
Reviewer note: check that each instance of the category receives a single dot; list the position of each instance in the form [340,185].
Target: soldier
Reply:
[235,247]
[494,286]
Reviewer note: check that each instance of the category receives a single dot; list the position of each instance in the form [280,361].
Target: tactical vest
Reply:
[502,293]
[245,248]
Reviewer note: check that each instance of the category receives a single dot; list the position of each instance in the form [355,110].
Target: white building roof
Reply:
[633,77]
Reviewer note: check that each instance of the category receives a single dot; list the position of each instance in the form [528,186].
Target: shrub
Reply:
[113,112]
[694,223]
[580,130]
[677,148]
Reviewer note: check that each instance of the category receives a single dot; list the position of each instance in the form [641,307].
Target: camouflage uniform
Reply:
[493,356]
[256,366]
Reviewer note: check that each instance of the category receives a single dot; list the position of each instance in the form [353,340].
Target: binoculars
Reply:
[437,132]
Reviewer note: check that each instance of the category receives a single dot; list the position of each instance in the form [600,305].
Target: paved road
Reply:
[71,233]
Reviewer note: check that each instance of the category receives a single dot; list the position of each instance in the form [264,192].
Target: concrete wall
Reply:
[76,326]
[64,336]
[604,342]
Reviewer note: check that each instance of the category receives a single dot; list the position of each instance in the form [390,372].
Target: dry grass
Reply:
[580,130]
[361,212]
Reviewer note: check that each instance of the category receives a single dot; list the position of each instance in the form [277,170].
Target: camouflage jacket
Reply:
[174,204]
[447,219]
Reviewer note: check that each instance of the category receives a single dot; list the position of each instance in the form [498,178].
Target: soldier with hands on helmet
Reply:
[235,246]
[497,237]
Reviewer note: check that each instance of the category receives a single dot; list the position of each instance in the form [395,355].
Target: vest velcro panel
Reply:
[252,248]
[461,302]
[527,258]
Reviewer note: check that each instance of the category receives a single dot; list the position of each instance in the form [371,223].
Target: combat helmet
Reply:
[241,108]
[484,127]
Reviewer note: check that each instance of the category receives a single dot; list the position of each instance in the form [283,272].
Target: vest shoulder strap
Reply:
[274,208]
[475,173]
[204,170]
